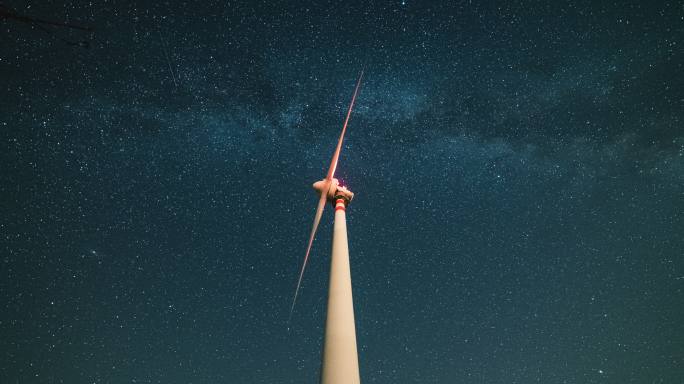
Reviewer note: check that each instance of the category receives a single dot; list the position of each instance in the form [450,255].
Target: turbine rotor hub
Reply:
[333,190]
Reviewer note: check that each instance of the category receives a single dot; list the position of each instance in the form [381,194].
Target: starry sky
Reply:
[518,170]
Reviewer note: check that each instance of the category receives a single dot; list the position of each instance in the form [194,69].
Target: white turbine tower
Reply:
[340,362]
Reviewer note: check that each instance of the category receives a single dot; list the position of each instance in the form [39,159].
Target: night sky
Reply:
[518,171]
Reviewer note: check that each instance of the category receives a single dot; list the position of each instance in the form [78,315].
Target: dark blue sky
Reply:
[518,170]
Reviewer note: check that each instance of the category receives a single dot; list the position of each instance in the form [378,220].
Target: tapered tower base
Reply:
[340,359]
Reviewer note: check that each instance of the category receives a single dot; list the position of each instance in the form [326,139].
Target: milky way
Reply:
[518,171]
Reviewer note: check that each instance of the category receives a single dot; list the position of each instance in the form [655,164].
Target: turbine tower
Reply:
[340,362]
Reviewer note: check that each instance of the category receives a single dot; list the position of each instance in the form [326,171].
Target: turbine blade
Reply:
[324,193]
[317,220]
[336,156]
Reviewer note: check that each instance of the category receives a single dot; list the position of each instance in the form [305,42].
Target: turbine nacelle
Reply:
[332,190]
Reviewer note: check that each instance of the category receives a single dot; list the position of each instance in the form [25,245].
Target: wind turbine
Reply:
[340,362]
